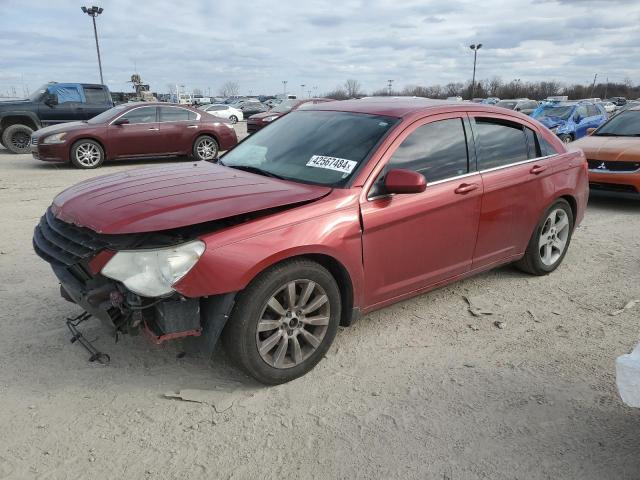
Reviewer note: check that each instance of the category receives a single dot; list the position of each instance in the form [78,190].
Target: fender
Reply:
[22,113]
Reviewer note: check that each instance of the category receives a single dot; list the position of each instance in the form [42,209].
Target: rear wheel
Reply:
[205,148]
[550,240]
[16,138]
[284,322]
[87,154]
[233,119]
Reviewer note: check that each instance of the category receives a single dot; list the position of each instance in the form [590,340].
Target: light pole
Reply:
[284,83]
[475,49]
[389,85]
[93,12]
[302,88]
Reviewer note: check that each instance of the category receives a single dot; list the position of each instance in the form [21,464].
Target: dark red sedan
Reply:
[260,120]
[330,213]
[135,130]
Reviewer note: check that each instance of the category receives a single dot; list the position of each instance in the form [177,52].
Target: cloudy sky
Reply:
[258,43]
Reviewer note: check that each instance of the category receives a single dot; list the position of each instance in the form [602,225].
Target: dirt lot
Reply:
[420,390]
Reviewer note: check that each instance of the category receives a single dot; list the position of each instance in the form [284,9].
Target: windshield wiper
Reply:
[259,171]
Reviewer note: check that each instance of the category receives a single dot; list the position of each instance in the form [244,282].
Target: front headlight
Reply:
[152,273]
[57,138]
[270,118]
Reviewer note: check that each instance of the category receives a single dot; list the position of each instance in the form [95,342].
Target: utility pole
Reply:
[284,83]
[475,48]
[593,85]
[302,88]
[93,12]
[606,87]
[389,85]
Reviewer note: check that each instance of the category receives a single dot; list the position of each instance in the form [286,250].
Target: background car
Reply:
[330,213]
[134,130]
[233,114]
[260,120]
[250,107]
[570,120]
[609,107]
[613,153]
[523,105]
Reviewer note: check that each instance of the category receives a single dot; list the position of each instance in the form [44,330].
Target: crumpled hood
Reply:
[173,196]
[610,148]
[61,127]
[551,122]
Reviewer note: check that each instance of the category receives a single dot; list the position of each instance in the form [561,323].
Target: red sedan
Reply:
[328,214]
[135,130]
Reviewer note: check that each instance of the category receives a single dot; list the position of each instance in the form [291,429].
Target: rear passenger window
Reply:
[173,114]
[499,143]
[95,95]
[438,150]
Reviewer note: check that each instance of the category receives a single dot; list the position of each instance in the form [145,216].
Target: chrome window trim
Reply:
[198,116]
[529,160]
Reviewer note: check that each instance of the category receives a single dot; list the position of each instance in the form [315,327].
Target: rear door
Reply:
[178,127]
[515,175]
[97,100]
[140,137]
[415,240]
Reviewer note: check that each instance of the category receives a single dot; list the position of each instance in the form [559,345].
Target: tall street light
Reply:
[475,49]
[284,83]
[93,12]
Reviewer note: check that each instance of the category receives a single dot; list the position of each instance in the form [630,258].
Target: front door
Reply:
[413,241]
[139,137]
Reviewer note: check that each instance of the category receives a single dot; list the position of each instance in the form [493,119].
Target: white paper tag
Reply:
[332,163]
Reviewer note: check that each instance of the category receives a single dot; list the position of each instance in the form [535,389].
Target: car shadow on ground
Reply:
[619,202]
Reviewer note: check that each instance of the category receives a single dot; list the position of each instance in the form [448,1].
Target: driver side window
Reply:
[437,150]
[581,112]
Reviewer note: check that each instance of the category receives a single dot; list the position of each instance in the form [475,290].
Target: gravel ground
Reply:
[420,390]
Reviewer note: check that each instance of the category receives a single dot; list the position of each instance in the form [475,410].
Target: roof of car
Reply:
[396,106]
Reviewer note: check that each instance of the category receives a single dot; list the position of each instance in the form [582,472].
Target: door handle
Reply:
[466,188]
[192,126]
[153,128]
[536,169]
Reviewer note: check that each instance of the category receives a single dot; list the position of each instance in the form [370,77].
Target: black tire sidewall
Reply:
[534,250]
[77,164]
[233,119]
[12,130]
[195,147]
[239,336]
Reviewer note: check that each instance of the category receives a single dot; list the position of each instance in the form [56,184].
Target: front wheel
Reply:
[87,154]
[550,240]
[205,148]
[16,138]
[284,322]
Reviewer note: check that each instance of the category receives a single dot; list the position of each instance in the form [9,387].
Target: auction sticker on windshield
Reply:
[332,163]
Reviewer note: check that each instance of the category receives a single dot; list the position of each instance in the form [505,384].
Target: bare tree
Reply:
[338,93]
[353,88]
[229,89]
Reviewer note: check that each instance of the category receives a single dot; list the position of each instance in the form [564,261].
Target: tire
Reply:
[205,148]
[291,346]
[233,119]
[16,138]
[87,154]
[565,138]
[544,254]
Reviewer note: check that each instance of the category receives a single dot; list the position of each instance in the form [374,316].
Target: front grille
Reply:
[61,243]
[613,166]
[613,187]
[34,141]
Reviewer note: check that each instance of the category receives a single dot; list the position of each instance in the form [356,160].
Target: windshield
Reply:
[285,106]
[550,111]
[506,104]
[312,146]
[38,92]
[107,114]
[626,124]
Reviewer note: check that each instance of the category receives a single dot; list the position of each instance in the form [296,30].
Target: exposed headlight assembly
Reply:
[152,273]
[57,138]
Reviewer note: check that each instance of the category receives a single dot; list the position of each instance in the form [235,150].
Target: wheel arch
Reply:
[30,121]
[573,203]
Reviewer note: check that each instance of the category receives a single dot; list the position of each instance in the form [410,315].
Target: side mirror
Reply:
[51,99]
[591,130]
[399,180]
[121,121]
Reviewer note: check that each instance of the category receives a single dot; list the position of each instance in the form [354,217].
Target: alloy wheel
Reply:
[207,149]
[293,323]
[553,237]
[20,140]
[88,154]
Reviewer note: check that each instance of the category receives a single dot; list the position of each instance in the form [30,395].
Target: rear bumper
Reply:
[615,182]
